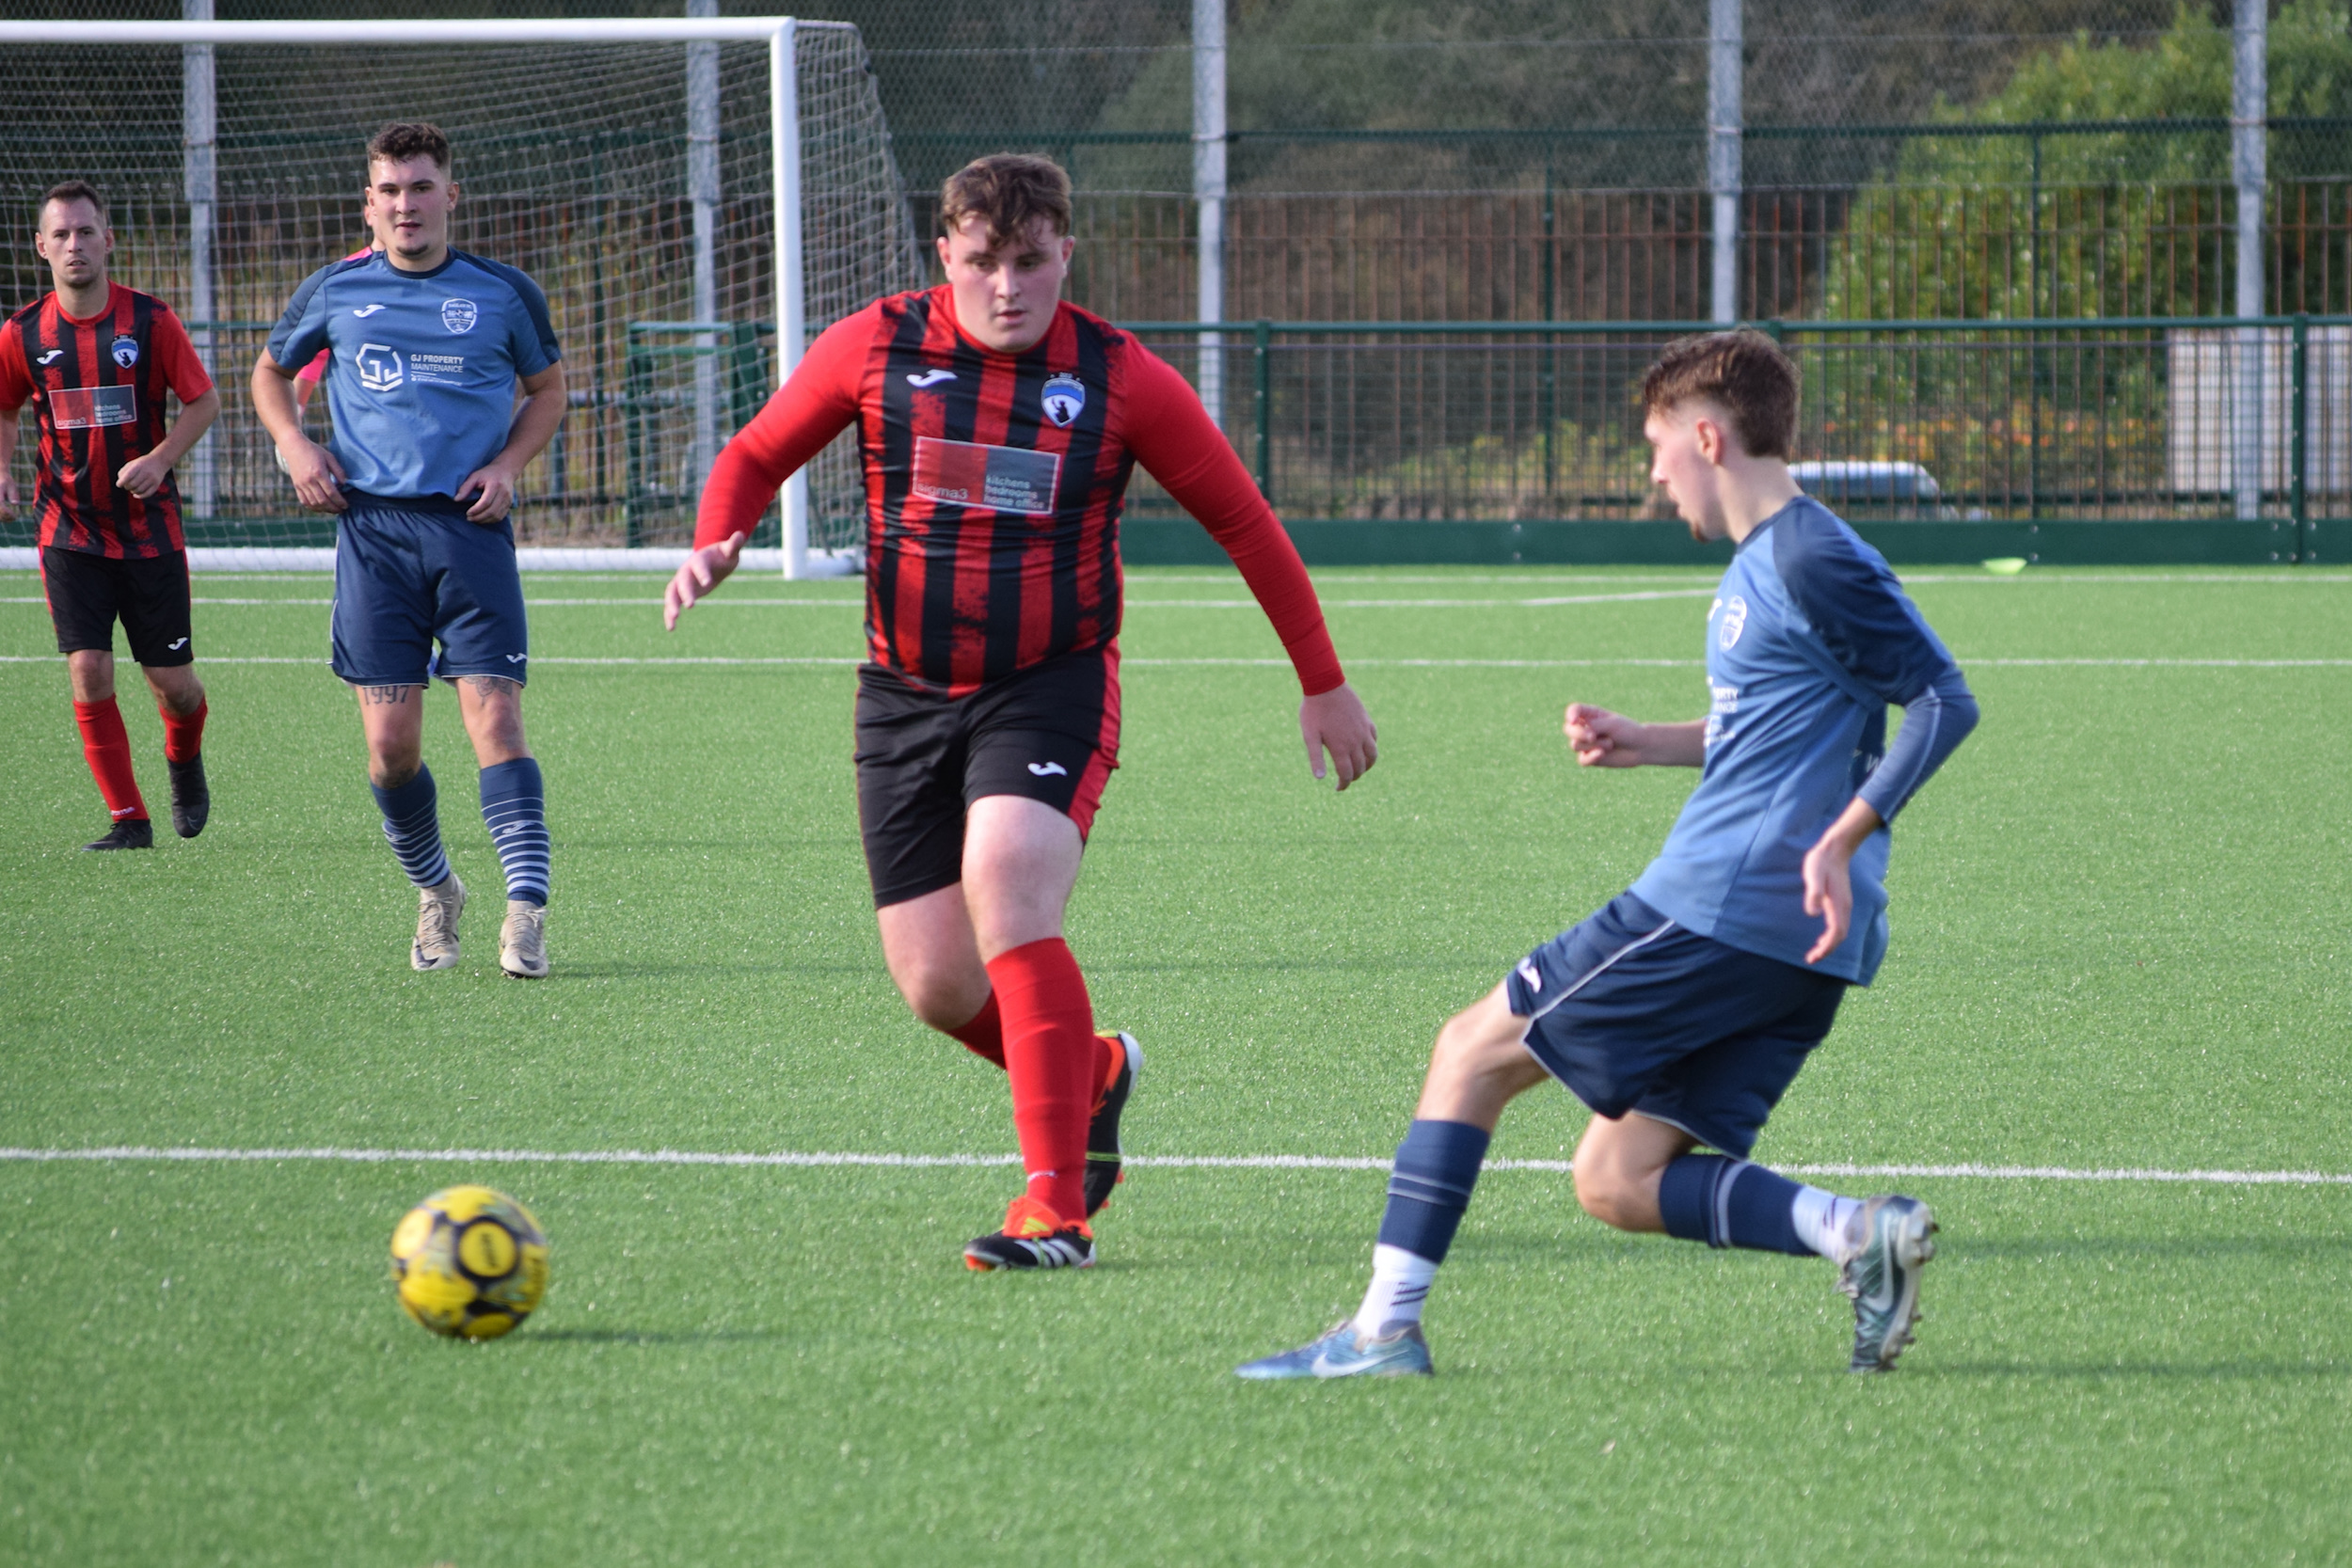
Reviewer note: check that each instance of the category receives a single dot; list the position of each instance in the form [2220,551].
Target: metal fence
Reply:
[2190,418]
[2123,418]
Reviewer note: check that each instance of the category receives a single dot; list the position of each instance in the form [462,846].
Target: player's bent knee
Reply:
[1616,1192]
[1601,1195]
[946,1002]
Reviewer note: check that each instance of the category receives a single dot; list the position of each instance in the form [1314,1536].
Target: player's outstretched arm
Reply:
[1606,739]
[807,412]
[1335,722]
[1173,437]
[703,570]
[318,478]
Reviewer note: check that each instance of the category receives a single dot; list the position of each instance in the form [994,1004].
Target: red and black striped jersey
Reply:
[98,388]
[995,483]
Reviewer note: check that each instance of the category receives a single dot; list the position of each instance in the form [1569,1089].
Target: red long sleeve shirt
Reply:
[993,486]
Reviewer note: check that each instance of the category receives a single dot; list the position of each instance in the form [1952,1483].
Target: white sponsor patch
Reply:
[1001,478]
[91,407]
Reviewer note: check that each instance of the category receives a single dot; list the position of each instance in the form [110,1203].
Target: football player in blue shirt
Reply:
[1682,1010]
[428,346]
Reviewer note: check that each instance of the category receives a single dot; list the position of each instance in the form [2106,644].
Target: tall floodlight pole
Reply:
[2250,108]
[701,190]
[1208,190]
[783,142]
[199,123]
[1724,49]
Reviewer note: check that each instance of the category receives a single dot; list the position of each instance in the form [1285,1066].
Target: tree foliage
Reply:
[2133,222]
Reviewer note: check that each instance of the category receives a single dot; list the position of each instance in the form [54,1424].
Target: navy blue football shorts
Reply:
[410,573]
[1632,1012]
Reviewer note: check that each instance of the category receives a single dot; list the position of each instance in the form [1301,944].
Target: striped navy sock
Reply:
[1429,1186]
[515,807]
[413,821]
[1726,1202]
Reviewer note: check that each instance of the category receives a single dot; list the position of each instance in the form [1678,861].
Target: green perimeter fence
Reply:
[2120,439]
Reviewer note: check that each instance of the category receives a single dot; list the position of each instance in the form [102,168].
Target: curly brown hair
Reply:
[1012,190]
[1743,371]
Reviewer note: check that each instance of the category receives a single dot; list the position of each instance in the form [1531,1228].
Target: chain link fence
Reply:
[1498,162]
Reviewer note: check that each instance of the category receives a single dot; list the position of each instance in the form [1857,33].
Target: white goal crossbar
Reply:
[780,33]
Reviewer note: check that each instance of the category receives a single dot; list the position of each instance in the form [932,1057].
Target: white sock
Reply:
[1821,1220]
[1400,1282]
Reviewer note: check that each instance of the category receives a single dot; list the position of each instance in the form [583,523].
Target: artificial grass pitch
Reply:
[2120,928]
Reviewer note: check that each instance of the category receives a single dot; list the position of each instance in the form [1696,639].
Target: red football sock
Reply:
[983,1033]
[106,745]
[1052,1056]
[183,734]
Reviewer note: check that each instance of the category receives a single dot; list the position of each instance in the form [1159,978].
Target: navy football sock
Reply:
[1437,1166]
[1726,1202]
[515,808]
[412,821]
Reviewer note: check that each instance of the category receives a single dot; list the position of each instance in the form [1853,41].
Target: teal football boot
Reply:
[1344,1352]
[1882,1277]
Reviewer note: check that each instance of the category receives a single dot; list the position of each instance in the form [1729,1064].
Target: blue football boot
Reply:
[1882,1277]
[1345,1353]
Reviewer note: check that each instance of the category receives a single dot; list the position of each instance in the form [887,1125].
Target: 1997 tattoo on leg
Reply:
[380,696]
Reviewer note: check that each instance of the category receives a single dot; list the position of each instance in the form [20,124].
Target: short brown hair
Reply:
[71,190]
[1012,190]
[1746,372]
[404,140]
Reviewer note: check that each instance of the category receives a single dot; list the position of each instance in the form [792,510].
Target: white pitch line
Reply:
[1971,1171]
[838,661]
[845,603]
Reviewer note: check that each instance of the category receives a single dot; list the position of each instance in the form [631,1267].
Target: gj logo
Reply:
[1735,621]
[126,351]
[379,367]
[459,315]
[1064,399]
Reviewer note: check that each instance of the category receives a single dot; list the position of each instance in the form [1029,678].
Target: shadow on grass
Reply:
[651,1335]
[2190,1370]
[2057,1250]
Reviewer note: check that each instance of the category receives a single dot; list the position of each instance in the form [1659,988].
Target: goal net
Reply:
[633,179]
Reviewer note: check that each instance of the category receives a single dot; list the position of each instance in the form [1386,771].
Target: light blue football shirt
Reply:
[1810,636]
[421,379]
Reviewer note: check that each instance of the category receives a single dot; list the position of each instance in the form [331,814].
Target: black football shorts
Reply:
[88,594]
[1049,733]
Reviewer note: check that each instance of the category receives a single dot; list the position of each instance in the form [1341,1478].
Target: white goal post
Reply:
[785,38]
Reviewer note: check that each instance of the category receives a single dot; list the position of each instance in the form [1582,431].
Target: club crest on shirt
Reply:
[459,315]
[1735,621]
[126,351]
[1063,399]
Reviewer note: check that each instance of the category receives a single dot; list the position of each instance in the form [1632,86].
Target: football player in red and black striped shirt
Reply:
[95,361]
[998,427]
